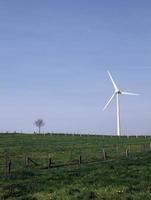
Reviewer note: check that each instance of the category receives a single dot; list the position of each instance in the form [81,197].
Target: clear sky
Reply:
[53,61]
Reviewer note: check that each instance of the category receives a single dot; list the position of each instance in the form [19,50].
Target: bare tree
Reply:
[39,123]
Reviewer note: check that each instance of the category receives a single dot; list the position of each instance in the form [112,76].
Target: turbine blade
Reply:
[115,86]
[131,94]
[105,107]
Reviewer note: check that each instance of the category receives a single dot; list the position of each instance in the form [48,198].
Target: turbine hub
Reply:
[119,92]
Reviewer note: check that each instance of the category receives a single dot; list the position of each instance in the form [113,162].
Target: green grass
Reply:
[117,177]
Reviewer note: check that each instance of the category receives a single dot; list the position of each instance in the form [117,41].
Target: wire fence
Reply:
[17,165]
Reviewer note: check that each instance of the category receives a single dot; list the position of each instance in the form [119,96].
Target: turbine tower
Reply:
[117,94]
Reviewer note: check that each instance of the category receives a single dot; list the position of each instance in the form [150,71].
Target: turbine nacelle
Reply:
[118,92]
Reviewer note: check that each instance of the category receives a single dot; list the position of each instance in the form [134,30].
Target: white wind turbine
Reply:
[116,94]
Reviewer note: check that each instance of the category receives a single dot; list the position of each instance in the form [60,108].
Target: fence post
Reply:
[6,166]
[49,161]
[127,153]
[9,167]
[80,160]
[27,161]
[104,155]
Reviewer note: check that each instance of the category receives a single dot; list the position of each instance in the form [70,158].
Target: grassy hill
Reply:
[78,170]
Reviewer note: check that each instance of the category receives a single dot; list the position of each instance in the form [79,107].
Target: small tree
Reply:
[39,123]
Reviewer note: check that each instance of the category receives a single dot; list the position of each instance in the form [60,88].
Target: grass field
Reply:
[116,177]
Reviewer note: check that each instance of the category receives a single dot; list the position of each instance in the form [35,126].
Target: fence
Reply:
[15,165]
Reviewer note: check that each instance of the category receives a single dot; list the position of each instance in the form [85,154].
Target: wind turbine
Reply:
[116,94]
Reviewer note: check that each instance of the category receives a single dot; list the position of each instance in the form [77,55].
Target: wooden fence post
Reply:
[49,161]
[80,160]
[27,161]
[127,153]
[6,166]
[104,155]
[9,167]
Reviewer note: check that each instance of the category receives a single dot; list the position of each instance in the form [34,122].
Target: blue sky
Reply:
[53,61]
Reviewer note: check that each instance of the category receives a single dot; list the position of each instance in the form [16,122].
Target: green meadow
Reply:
[82,167]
